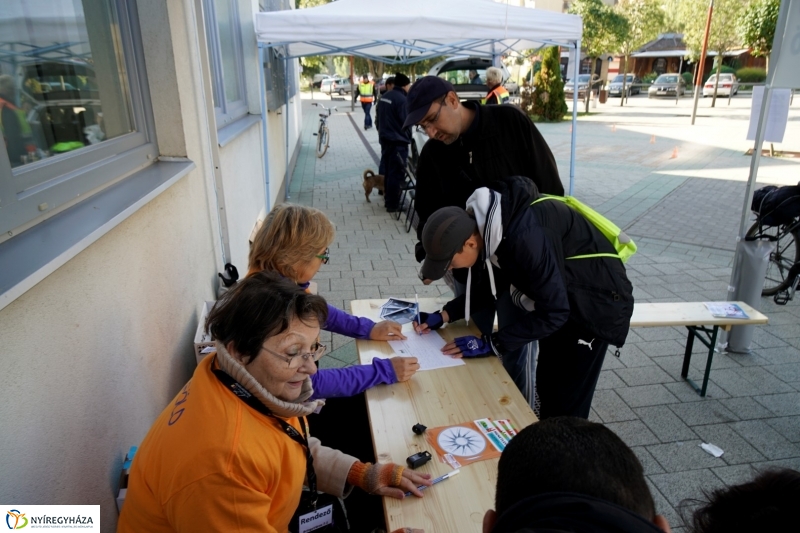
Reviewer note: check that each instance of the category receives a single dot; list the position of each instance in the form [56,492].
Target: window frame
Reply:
[225,112]
[32,193]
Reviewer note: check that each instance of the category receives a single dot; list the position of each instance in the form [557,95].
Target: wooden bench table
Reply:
[479,389]
[700,323]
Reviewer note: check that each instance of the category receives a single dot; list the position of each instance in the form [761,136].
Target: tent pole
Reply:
[265,154]
[576,70]
[286,133]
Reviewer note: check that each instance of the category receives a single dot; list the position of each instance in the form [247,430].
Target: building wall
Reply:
[93,353]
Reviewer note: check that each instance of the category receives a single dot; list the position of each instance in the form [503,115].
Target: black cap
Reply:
[423,93]
[444,235]
[401,80]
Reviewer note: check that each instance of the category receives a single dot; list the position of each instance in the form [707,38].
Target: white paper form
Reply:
[777,116]
[426,348]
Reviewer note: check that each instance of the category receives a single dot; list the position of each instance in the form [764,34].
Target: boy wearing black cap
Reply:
[471,146]
[394,138]
[528,263]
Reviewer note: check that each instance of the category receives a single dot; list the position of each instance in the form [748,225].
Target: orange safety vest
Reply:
[365,91]
[500,93]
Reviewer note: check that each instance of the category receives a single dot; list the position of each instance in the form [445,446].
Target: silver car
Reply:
[632,85]
[667,85]
[468,76]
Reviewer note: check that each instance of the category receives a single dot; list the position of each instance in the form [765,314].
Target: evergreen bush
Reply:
[547,99]
[752,75]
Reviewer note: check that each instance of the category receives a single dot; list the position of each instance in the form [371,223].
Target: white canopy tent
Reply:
[402,32]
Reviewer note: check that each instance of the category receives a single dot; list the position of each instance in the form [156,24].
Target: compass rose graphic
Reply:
[461,441]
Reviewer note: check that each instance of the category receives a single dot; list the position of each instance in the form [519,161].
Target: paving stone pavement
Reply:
[684,214]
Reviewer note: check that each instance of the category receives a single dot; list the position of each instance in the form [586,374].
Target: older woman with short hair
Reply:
[497,93]
[232,451]
[294,241]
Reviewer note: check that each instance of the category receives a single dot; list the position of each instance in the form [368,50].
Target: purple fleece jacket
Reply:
[351,380]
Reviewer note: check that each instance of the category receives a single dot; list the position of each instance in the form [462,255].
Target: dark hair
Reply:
[389,80]
[261,306]
[567,454]
[767,503]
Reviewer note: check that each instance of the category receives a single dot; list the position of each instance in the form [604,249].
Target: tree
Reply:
[547,98]
[672,19]
[645,20]
[723,35]
[603,29]
[757,27]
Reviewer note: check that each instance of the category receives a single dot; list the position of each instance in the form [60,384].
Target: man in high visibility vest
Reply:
[14,126]
[366,95]
[497,93]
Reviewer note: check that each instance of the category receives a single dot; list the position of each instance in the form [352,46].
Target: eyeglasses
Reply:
[423,128]
[296,361]
[326,256]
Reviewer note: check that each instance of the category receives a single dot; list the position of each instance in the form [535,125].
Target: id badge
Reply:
[316,519]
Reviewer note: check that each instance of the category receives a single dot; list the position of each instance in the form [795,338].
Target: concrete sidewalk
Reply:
[683,213]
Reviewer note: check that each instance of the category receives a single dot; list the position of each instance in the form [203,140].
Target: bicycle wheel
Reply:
[786,254]
[322,141]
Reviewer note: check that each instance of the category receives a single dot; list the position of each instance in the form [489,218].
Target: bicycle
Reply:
[323,135]
[784,230]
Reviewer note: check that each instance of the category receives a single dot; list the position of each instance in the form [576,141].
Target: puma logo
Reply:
[589,344]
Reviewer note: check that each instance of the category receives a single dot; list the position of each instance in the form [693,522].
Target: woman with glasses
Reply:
[232,451]
[294,241]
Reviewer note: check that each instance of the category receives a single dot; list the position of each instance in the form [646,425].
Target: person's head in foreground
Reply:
[266,324]
[434,106]
[389,85]
[451,240]
[569,474]
[494,77]
[767,503]
[293,241]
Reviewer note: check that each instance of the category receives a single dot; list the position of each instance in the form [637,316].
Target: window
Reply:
[74,115]
[223,34]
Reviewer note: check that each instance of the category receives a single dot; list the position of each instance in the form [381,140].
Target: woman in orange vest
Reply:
[232,451]
[497,93]
[366,95]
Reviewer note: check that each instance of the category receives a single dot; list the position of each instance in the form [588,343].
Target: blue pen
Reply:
[419,321]
[437,480]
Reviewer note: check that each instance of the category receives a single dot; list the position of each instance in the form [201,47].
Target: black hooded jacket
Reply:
[504,143]
[594,292]
[566,512]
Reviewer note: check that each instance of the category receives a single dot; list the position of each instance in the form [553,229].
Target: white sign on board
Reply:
[777,116]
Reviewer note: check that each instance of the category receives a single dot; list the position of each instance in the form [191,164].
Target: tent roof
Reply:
[412,30]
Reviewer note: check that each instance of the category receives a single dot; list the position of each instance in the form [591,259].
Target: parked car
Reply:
[584,81]
[340,86]
[456,70]
[667,85]
[318,78]
[727,84]
[632,85]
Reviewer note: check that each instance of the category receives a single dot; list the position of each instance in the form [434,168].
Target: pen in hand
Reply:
[419,322]
[437,480]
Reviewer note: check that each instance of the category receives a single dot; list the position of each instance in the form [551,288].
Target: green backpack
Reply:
[623,244]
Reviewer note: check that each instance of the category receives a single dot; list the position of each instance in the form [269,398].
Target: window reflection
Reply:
[62,80]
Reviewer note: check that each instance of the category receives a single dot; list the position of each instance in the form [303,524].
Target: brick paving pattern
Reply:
[684,214]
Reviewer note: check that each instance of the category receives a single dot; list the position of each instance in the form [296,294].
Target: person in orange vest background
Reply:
[14,126]
[497,93]
[366,95]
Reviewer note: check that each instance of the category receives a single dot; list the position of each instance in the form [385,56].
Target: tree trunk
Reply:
[624,80]
[716,82]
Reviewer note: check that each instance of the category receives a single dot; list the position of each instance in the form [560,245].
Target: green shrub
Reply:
[547,97]
[649,78]
[753,75]
[687,78]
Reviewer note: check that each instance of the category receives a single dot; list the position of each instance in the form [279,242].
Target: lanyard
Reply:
[243,394]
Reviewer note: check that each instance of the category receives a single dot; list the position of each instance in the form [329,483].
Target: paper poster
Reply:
[469,442]
[725,310]
[777,115]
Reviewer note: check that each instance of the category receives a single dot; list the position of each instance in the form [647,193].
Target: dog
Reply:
[372,181]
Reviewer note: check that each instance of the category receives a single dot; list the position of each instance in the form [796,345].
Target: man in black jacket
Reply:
[529,264]
[394,138]
[470,146]
[571,475]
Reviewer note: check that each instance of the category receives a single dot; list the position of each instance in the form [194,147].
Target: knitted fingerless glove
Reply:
[370,477]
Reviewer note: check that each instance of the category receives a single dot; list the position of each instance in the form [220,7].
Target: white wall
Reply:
[93,353]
